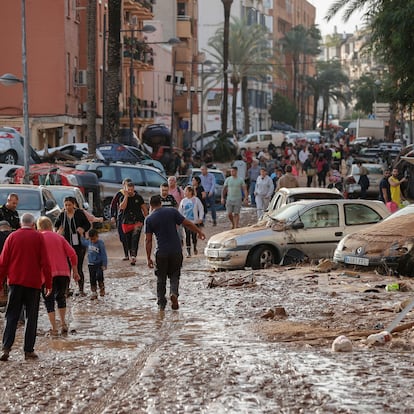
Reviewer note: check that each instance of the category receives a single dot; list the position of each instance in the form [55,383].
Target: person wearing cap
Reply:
[25,262]
[9,213]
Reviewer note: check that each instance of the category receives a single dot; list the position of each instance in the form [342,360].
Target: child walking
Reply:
[97,262]
[192,209]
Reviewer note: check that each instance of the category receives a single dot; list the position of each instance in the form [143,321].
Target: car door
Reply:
[110,180]
[358,216]
[323,229]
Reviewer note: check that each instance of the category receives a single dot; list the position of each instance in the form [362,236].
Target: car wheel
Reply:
[9,158]
[262,258]
[107,210]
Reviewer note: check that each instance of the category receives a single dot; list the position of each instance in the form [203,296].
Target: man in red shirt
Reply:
[25,262]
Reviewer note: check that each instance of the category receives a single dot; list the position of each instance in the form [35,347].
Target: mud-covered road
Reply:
[217,354]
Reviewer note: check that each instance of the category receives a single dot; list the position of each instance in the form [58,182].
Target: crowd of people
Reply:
[39,258]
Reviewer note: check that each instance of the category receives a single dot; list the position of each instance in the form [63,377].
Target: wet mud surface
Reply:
[220,352]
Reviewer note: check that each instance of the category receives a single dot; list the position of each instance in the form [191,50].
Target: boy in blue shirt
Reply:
[97,262]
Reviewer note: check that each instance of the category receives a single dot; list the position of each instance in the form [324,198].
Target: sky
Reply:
[322,7]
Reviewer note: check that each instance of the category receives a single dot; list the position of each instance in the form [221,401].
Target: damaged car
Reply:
[387,245]
[309,228]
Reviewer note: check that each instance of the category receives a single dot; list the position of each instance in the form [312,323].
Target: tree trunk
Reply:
[245,103]
[235,84]
[113,77]
[91,77]
[224,109]
[315,110]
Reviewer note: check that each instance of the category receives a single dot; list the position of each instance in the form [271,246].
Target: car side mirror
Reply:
[49,205]
[298,225]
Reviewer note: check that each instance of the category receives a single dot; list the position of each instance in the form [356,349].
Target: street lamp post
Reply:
[8,79]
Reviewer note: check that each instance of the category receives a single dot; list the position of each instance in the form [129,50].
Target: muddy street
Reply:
[219,353]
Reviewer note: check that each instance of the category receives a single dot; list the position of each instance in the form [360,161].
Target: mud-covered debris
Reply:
[342,344]
[399,307]
[278,312]
[325,265]
[224,281]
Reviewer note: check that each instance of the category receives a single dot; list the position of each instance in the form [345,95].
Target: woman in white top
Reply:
[192,209]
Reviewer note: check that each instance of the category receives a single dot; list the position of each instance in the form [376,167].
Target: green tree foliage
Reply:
[249,57]
[283,110]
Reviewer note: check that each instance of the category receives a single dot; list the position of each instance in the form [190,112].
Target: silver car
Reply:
[147,180]
[12,148]
[309,228]
[33,199]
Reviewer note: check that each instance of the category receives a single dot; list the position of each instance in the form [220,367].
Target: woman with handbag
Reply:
[134,210]
[72,224]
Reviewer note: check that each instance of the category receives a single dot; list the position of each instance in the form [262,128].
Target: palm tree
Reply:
[249,57]
[331,80]
[227,8]
[91,78]
[299,43]
[113,79]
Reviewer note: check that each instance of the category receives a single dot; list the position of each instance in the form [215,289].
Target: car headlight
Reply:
[341,245]
[230,244]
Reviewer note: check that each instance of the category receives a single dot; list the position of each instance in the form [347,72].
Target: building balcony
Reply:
[143,9]
[184,27]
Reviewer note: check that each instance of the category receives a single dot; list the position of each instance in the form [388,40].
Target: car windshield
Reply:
[60,194]
[28,200]
[287,213]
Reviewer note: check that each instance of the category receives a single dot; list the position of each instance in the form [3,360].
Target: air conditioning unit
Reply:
[82,77]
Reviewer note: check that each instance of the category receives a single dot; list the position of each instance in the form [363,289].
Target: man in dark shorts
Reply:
[168,256]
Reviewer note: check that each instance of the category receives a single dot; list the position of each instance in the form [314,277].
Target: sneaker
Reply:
[133,261]
[174,302]
[195,251]
[5,355]
[30,355]
[53,332]
[64,330]
[94,296]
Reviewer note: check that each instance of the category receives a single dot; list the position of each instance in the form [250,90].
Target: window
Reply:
[153,178]
[356,214]
[181,9]
[321,217]
[108,174]
[135,174]
[267,137]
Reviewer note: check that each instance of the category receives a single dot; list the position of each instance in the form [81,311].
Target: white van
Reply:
[261,140]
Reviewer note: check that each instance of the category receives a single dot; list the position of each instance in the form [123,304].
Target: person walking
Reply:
[116,215]
[72,224]
[233,195]
[287,180]
[175,190]
[134,210]
[309,167]
[60,254]
[9,211]
[97,262]
[192,209]
[395,186]
[200,193]
[25,261]
[163,223]
[363,179]
[252,173]
[5,231]
[385,188]
[208,181]
[263,191]
[322,168]
[167,200]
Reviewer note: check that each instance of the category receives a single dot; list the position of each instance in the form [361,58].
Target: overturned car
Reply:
[387,245]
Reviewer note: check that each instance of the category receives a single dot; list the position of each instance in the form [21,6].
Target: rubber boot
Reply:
[101,289]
